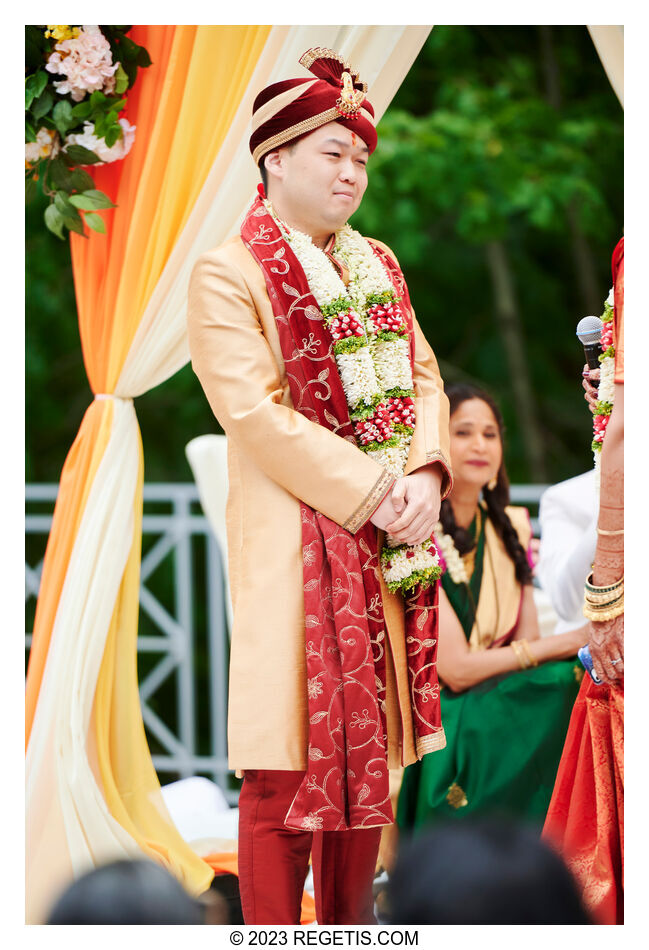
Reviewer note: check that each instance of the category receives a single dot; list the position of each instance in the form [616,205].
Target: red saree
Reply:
[585,819]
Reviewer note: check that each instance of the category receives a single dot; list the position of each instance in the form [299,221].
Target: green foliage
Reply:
[472,151]
[91,200]
[47,108]
[34,86]
[95,222]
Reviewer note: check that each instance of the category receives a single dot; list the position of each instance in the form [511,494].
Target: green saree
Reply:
[504,736]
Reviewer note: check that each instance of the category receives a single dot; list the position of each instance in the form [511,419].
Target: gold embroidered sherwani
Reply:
[277,457]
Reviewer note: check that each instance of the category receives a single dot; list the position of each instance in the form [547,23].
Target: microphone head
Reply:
[589,330]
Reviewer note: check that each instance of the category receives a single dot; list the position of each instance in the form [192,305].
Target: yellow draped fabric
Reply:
[92,791]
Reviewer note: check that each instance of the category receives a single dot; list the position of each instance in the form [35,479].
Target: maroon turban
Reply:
[285,111]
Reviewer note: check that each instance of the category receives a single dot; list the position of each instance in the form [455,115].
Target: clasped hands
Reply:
[411,509]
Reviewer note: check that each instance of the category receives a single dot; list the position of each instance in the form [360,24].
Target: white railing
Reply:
[180,539]
[183,539]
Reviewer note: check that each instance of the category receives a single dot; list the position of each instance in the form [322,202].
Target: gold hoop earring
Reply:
[491,484]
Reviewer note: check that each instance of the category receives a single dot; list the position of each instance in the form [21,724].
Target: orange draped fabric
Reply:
[585,819]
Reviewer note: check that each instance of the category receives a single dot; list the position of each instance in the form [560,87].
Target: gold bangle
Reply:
[602,590]
[518,653]
[602,531]
[603,600]
[599,616]
[528,652]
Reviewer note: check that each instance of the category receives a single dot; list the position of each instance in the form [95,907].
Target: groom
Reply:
[333,672]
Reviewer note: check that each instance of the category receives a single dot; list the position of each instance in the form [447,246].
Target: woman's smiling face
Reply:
[476,446]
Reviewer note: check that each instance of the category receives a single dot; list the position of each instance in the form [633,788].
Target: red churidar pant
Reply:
[274,860]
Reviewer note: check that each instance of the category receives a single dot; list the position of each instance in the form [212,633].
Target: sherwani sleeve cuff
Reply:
[447,474]
[370,503]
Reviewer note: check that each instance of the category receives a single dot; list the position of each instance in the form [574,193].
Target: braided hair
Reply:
[496,499]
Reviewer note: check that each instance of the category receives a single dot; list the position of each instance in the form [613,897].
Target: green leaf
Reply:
[121,80]
[63,117]
[46,122]
[81,156]
[36,46]
[143,58]
[34,86]
[129,49]
[95,222]
[30,189]
[69,214]
[74,224]
[82,110]
[97,98]
[43,104]
[62,202]
[80,180]
[30,132]
[131,71]
[54,220]
[60,176]
[113,134]
[92,201]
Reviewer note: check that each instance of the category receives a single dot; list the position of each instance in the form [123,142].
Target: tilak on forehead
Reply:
[287,110]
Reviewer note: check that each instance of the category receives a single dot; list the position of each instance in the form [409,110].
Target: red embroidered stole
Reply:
[346,780]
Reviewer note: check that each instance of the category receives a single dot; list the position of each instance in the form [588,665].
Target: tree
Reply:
[489,182]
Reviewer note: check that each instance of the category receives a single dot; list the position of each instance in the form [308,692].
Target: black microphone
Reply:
[589,332]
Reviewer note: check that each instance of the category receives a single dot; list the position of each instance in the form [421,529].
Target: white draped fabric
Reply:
[609,43]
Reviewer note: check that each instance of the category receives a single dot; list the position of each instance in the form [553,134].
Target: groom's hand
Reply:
[416,498]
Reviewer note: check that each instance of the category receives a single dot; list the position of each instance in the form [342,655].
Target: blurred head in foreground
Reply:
[482,872]
[126,892]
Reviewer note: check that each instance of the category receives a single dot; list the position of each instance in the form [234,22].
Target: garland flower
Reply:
[371,350]
[606,389]
[453,562]
[75,78]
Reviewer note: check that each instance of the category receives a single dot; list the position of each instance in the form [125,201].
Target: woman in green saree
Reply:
[506,694]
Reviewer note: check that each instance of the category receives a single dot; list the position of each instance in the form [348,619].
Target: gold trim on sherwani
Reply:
[369,504]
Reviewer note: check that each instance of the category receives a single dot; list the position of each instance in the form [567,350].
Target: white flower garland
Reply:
[606,388]
[371,350]
[454,563]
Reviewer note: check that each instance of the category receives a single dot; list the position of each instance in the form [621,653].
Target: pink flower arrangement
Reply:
[607,335]
[402,410]
[387,318]
[599,427]
[87,63]
[376,428]
[345,325]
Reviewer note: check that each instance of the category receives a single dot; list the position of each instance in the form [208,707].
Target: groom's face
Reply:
[323,176]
